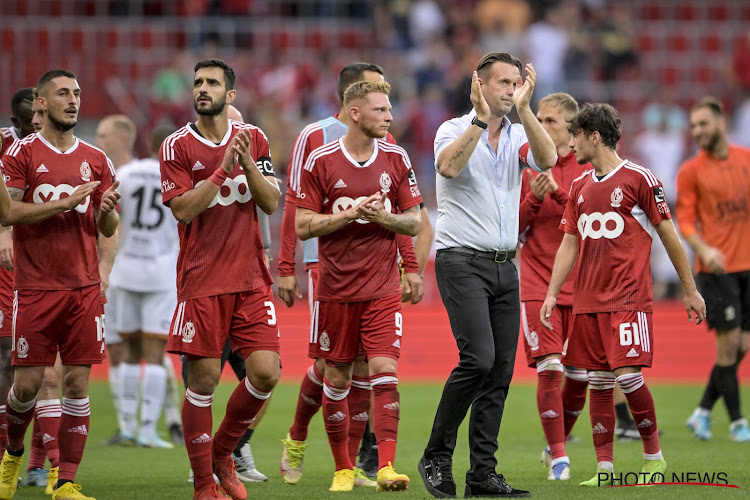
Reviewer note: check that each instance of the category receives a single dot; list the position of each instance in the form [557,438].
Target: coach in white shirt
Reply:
[479,158]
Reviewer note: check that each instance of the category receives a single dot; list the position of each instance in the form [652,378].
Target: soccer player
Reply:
[223,284]
[57,304]
[350,192]
[714,218]
[142,294]
[311,390]
[613,213]
[543,200]
[22,118]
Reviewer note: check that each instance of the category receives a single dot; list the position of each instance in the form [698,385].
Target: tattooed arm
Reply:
[453,158]
[22,212]
[311,224]
[407,222]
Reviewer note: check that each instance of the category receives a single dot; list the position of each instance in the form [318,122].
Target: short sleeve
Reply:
[175,171]
[569,222]
[408,194]
[106,177]
[311,195]
[446,134]
[653,200]
[15,171]
[262,155]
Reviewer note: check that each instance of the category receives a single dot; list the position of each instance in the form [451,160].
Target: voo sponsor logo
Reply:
[232,190]
[598,225]
[345,203]
[47,192]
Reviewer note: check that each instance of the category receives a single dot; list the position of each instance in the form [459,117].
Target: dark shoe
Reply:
[175,434]
[627,433]
[437,475]
[368,455]
[494,486]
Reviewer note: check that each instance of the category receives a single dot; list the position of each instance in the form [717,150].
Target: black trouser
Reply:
[482,301]
[234,358]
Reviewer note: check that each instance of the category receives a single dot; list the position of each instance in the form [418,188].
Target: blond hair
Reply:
[567,104]
[359,90]
[125,126]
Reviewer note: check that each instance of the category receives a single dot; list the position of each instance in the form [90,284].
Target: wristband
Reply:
[218,177]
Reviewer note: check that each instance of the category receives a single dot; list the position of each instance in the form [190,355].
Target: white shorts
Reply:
[110,332]
[146,312]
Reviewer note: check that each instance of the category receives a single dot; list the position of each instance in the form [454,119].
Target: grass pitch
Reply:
[131,473]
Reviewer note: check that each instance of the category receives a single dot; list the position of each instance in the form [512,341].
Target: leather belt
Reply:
[497,255]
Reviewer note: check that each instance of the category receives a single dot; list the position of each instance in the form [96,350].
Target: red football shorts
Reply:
[342,330]
[609,340]
[6,306]
[537,340]
[45,321]
[200,326]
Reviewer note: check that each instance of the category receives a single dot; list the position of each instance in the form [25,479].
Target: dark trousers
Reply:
[482,301]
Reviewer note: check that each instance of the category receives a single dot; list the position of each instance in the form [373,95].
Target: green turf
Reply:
[129,473]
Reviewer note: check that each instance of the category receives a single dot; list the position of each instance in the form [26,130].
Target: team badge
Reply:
[22,347]
[325,342]
[385,182]
[188,332]
[85,171]
[616,197]
[534,341]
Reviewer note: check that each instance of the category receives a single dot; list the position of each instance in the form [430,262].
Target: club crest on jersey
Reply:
[325,342]
[385,182]
[22,347]
[85,171]
[616,197]
[188,332]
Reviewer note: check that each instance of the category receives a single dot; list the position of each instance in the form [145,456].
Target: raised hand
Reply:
[80,194]
[522,95]
[478,100]
[543,184]
[109,198]
[241,146]
[372,209]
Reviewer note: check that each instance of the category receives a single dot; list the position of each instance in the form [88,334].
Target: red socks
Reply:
[74,427]
[37,456]
[573,397]
[48,417]
[242,407]
[197,424]
[641,405]
[336,415]
[602,413]
[19,417]
[359,408]
[385,412]
[308,403]
[550,404]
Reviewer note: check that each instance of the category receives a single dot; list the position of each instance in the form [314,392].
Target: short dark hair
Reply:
[352,73]
[489,59]
[711,103]
[229,77]
[51,75]
[25,94]
[598,117]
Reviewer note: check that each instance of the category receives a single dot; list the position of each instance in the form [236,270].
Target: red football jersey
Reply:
[59,253]
[357,262]
[614,219]
[541,220]
[6,277]
[221,249]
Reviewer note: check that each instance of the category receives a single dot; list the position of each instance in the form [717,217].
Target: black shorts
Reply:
[727,299]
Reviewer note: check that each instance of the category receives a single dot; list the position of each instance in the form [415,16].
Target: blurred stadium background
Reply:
[650,58]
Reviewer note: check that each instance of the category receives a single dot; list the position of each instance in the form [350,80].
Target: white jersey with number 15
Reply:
[149,244]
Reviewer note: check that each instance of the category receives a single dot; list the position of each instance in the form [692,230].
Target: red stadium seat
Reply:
[646,43]
[669,75]
[711,43]
[678,43]
[718,12]
[652,12]
[685,12]
[705,75]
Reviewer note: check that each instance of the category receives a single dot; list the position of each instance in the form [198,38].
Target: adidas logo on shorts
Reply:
[549,414]
[397,344]
[203,438]
[361,417]
[632,353]
[80,429]
[599,429]
[337,417]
